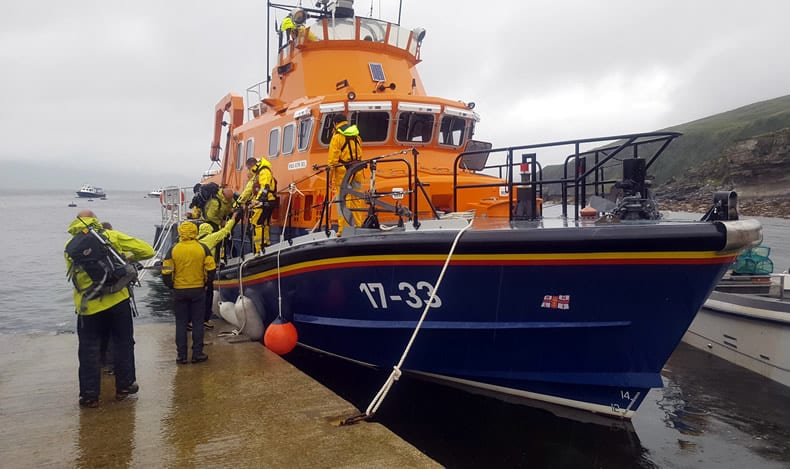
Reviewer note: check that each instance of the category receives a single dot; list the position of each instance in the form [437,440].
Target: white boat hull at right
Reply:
[751,331]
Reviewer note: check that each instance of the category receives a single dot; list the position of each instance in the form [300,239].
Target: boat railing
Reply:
[352,29]
[255,95]
[173,211]
[584,170]
[373,203]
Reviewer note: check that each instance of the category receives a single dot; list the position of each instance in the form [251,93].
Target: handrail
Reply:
[585,164]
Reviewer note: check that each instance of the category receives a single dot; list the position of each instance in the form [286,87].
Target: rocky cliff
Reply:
[757,168]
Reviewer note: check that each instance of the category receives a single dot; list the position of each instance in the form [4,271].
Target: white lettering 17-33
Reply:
[415,296]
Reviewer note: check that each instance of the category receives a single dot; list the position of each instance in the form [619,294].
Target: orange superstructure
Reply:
[365,68]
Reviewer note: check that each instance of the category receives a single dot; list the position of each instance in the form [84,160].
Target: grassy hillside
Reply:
[705,139]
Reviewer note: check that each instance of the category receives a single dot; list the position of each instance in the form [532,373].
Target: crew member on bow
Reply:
[344,149]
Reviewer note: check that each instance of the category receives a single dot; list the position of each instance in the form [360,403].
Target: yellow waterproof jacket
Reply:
[262,180]
[345,147]
[134,249]
[211,239]
[188,262]
[293,31]
[218,209]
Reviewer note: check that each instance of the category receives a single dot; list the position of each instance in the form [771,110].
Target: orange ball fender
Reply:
[280,336]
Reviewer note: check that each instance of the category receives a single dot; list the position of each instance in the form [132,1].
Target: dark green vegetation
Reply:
[700,156]
[707,139]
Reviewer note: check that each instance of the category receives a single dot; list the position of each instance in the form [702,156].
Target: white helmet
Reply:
[298,16]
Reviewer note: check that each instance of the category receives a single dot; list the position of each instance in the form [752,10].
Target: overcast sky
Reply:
[134,84]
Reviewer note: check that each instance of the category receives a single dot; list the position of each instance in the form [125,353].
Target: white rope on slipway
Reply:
[396,371]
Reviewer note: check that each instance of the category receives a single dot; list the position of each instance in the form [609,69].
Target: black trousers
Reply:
[209,295]
[189,305]
[115,323]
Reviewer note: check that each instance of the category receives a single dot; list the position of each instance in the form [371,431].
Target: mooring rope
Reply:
[291,190]
[396,370]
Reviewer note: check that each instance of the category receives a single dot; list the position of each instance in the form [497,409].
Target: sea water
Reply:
[35,295]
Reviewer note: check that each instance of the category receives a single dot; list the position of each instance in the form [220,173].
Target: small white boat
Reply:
[89,191]
[155,193]
[746,321]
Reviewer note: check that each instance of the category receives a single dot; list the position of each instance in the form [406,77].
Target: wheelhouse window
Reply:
[305,131]
[239,156]
[274,142]
[327,129]
[415,127]
[289,132]
[250,149]
[373,125]
[452,131]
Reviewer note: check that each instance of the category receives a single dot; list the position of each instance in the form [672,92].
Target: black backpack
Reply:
[206,193]
[91,253]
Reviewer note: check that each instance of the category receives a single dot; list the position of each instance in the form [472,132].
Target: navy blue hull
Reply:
[581,329]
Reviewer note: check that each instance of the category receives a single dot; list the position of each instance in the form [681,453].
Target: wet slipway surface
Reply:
[245,407]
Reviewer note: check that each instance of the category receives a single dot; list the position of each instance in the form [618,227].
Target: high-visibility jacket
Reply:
[133,248]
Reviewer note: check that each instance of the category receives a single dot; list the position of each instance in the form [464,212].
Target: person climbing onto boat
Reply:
[345,148]
[293,26]
[193,204]
[219,208]
[186,270]
[261,192]
[102,311]
[211,239]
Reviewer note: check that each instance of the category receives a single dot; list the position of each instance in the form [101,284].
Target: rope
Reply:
[291,190]
[396,370]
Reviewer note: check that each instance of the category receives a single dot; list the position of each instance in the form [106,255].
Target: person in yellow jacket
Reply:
[186,269]
[261,192]
[345,148]
[219,208]
[293,26]
[103,314]
[210,239]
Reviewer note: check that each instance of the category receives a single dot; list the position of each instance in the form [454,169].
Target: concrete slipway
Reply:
[245,407]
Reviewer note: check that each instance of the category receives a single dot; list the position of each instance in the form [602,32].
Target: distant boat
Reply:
[92,192]
[155,193]
[72,204]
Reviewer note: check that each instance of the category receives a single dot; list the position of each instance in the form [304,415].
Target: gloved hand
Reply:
[238,214]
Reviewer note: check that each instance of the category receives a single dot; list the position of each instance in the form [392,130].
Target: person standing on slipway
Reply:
[102,312]
[186,269]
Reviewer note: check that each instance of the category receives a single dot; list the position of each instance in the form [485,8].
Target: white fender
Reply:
[215,303]
[248,318]
[227,310]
